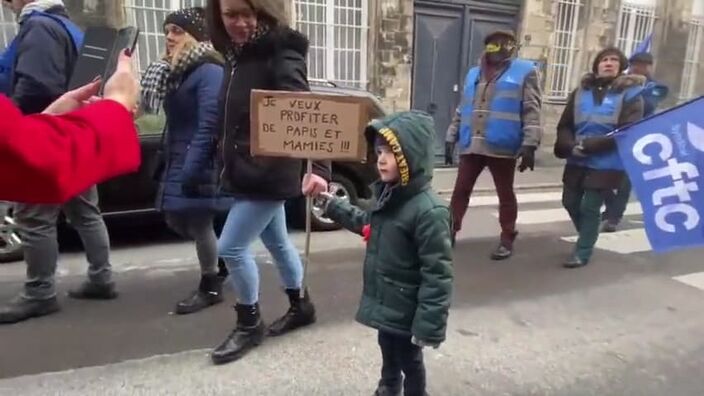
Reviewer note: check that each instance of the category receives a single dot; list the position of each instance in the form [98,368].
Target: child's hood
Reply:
[411,136]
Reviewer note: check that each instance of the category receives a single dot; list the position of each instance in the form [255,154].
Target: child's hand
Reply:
[322,199]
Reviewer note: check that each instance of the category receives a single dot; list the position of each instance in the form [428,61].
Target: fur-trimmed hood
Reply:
[618,84]
[276,40]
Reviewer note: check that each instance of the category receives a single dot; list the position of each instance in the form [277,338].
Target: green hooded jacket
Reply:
[408,264]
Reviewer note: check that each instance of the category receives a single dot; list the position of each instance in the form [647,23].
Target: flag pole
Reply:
[306,249]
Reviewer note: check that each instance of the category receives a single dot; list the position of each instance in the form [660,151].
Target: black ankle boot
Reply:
[94,291]
[300,313]
[209,293]
[386,391]
[222,269]
[248,334]
[505,249]
[20,309]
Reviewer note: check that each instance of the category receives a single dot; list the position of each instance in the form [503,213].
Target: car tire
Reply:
[10,243]
[344,189]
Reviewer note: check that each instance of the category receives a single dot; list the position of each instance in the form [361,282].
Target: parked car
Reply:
[131,198]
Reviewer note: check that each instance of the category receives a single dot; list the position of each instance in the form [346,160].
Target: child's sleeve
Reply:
[432,236]
[347,215]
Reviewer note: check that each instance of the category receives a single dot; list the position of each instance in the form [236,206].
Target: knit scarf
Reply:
[38,5]
[235,51]
[161,77]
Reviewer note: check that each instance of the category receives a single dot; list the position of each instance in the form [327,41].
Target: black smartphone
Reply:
[99,54]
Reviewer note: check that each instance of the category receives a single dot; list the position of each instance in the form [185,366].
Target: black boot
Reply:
[222,269]
[505,248]
[248,334]
[609,226]
[386,391]
[502,252]
[94,291]
[209,293]
[575,262]
[20,309]
[300,313]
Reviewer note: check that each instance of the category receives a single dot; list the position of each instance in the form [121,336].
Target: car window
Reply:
[151,124]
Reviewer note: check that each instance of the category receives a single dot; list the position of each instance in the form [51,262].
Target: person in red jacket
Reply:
[75,143]
[78,141]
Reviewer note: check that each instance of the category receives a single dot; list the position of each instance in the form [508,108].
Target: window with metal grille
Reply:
[635,23]
[692,60]
[149,16]
[338,34]
[8,26]
[564,47]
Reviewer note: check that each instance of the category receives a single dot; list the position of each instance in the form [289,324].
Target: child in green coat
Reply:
[408,263]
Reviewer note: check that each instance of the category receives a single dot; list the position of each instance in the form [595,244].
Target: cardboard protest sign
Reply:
[308,125]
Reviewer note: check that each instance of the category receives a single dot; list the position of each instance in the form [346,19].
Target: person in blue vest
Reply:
[640,64]
[497,123]
[38,65]
[606,99]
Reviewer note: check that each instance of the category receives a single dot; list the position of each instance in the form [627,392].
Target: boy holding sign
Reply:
[408,265]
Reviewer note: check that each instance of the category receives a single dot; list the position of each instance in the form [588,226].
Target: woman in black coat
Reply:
[261,52]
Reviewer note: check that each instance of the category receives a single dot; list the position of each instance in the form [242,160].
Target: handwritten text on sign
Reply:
[305,125]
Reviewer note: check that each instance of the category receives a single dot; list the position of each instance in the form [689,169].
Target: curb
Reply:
[519,188]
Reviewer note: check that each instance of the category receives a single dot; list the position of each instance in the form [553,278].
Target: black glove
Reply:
[449,153]
[527,156]
[190,190]
[599,144]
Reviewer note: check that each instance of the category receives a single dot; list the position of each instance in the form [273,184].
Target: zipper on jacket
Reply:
[224,126]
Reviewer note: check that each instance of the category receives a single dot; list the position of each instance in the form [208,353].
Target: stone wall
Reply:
[595,29]
[390,49]
[671,49]
[597,26]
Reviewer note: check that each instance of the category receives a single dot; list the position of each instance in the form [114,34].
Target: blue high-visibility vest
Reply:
[592,119]
[504,128]
[8,59]
[653,94]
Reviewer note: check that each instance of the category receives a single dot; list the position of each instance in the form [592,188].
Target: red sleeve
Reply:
[50,159]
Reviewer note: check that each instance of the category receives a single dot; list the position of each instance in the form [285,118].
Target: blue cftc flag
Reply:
[664,158]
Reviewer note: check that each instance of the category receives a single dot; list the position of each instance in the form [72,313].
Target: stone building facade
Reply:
[371,44]
[391,47]
[563,36]
[567,47]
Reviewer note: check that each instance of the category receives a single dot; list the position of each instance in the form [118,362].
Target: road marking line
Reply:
[694,280]
[545,216]
[493,200]
[623,242]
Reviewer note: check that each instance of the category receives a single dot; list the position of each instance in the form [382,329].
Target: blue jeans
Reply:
[247,220]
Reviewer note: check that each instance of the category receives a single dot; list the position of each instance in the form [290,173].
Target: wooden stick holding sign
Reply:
[310,127]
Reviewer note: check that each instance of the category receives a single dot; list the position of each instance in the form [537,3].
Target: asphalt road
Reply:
[624,325]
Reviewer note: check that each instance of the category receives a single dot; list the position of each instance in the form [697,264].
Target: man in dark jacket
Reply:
[497,123]
[45,55]
[46,49]
[606,100]
[408,264]
[641,64]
